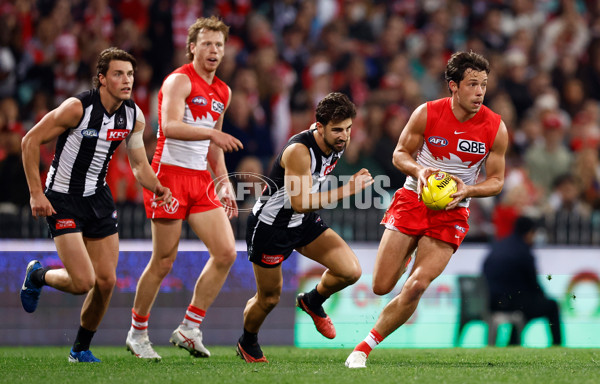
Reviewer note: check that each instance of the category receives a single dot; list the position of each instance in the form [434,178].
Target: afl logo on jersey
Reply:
[199,100]
[437,141]
[90,133]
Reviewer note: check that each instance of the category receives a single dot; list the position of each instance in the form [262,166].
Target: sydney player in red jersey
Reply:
[458,135]
[191,105]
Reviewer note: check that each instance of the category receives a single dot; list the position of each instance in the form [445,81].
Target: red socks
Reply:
[369,342]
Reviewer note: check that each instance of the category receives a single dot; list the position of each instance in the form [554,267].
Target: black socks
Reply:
[38,277]
[83,340]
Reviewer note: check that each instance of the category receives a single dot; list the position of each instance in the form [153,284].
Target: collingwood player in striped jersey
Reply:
[77,202]
[283,219]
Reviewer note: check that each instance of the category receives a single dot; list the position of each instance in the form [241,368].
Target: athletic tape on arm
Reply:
[136,139]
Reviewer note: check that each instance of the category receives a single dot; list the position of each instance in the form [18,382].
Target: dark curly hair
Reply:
[335,107]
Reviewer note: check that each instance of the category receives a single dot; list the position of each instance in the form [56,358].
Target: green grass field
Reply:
[513,365]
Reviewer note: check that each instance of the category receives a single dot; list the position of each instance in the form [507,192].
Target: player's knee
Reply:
[226,258]
[82,286]
[382,288]
[163,267]
[353,275]
[416,288]
[106,283]
[268,302]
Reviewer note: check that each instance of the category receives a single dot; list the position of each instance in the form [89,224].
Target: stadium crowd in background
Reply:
[284,56]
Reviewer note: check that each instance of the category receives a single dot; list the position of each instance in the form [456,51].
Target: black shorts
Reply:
[269,246]
[94,216]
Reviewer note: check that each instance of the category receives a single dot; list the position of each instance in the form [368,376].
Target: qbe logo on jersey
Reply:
[469,146]
[217,106]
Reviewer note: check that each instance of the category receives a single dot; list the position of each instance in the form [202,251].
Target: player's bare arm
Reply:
[216,161]
[136,153]
[298,182]
[494,170]
[176,89]
[53,124]
[409,143]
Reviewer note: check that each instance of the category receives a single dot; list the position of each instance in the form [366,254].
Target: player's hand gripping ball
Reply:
[436,194]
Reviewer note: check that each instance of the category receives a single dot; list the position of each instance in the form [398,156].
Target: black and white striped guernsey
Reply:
[274,207]
[83,152]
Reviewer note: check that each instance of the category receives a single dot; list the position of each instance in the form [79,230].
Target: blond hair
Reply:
[212,23]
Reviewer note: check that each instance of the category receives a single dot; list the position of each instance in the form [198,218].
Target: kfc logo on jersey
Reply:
[116,134]
[65,223]
[199,100]
[468,146]
[328,169]
[217,106]
[89,133]
[437,141]
[271,259]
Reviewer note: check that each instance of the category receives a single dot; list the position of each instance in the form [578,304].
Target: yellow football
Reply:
[436,194]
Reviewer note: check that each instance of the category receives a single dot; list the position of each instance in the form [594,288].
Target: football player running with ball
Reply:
[458,135]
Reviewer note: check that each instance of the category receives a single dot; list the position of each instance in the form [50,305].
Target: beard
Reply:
[332,145]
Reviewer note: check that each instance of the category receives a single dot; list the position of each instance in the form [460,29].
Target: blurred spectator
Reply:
[160,54]
[547,160]
[241,124]
[185,13]
[565,35]
[566,196]
[394,119]
[587,170]
[567,215]
[8,62]
[585,130]
[15,193]
[573,96]
[511,276]
[99,20]
[9,109]
[492,34]
[515,83]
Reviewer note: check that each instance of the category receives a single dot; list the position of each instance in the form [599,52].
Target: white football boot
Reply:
[357,359]
[189,339]
[141,347]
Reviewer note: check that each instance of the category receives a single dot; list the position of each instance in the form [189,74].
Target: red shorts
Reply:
[410,216]
[193,192]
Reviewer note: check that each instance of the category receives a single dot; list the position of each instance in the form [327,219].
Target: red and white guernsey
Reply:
[203,108]
[455,147]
